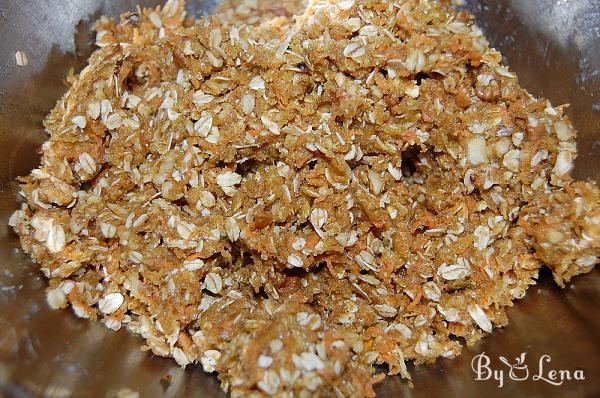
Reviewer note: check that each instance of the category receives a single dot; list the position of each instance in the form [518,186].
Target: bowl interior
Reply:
[551,44]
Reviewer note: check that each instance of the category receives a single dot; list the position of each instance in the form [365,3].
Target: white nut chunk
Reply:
[209,360]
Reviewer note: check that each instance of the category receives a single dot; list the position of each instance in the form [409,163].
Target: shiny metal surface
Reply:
[554,45]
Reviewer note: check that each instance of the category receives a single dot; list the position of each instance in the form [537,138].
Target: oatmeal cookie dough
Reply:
[259,12]
[289,204]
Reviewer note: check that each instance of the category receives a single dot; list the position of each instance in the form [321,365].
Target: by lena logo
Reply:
[519,370]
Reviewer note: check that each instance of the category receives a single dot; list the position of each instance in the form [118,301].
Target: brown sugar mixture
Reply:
[290,201]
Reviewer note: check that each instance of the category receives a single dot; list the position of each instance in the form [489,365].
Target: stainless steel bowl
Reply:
[554,45]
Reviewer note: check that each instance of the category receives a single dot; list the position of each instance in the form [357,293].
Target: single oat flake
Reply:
[21,58]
